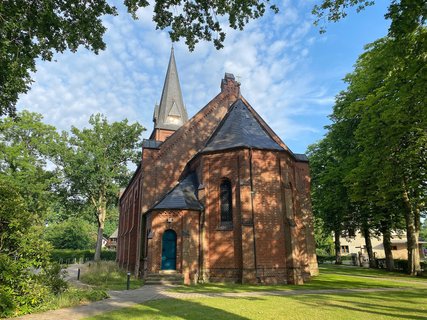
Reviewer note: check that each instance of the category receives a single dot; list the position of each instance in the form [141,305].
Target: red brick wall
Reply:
[222,246]
[162,134]
[272,230]
[269,230]
[186,225]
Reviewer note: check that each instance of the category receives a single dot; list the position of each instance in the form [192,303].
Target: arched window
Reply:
[225,202]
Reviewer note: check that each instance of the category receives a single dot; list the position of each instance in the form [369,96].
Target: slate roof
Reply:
[171,112]
[301,157]
[182,196]
[151,144]
[239,128]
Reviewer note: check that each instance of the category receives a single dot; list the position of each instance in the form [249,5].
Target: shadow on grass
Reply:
[366,272]
[384,305]
[170,309]
[393,304]
[326,281]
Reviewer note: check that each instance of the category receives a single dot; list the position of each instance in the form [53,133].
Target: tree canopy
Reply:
[26,193]
[379,133]
[93,162]
[26,145]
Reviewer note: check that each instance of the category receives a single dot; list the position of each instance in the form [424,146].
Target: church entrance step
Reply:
[164,278]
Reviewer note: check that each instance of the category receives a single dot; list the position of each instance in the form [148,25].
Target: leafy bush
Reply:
[325,258]
[401,265]
[52,277]
[70,256]
[25,264]
[328,258]
[7,303]
[73,233]
[72,297]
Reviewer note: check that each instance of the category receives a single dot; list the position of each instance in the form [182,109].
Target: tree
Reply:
[392,127]
[94,162]
[26,145]
[331,202]
[74,233]
[405,15]
[22,250]
[385,99]
[31,30]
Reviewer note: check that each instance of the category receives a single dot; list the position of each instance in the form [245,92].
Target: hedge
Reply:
[325,258]
[402,265]
[68,256]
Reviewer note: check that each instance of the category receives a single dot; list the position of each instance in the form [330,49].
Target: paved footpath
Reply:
[122,299]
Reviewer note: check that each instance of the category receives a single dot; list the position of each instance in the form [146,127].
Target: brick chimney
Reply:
[230,85]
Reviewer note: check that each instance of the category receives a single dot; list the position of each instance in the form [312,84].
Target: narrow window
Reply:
[225,202]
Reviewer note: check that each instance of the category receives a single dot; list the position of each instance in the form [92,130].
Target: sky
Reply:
[288,71]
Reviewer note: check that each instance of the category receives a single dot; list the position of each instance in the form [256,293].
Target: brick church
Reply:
[217,197]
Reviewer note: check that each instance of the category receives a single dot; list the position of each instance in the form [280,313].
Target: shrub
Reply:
[24,256]
[325,258]
[401,265]
[52,276]
[73,233]
[7,303]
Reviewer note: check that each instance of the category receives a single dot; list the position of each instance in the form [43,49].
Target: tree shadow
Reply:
[174,309]
[381,305]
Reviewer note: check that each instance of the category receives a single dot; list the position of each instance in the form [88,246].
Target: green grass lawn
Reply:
[331,277]
[382,305]
[408,301]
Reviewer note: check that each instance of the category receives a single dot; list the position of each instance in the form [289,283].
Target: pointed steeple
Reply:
[170,114]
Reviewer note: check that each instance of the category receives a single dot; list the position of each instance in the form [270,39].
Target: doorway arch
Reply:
[169,250]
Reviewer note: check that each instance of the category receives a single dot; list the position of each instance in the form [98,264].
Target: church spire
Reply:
[170,114]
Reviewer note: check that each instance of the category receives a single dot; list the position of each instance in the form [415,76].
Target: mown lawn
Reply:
[408,301]
[331,277]
[382,305]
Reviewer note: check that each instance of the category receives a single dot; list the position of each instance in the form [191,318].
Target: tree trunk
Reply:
[412,233]
[389,262]
[368,244]
[101,220]
[338,259]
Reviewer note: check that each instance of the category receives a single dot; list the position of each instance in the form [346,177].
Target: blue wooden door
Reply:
[169,250]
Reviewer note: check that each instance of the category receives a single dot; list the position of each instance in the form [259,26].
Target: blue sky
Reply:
[288,71]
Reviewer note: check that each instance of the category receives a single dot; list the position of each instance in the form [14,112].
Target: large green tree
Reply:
[26,145]
[36,29]
[94,162]
[331,202]
[22,251]
[385,171]
[73,233]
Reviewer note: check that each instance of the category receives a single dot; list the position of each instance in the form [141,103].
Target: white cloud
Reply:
[272,58]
